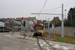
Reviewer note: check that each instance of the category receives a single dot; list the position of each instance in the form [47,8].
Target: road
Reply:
[8,42]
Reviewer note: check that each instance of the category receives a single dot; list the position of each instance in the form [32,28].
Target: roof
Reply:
[31,18]
[3,18]
[24,18]
[18,19]
[6,22]
[48,22]
[38,24]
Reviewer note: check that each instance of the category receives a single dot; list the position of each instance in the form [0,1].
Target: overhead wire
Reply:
[43,7]
[51,9]
[55,9]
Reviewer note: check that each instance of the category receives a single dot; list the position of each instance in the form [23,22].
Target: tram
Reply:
[4,29]
[38,30]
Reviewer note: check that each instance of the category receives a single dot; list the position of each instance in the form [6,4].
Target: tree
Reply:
[55,20]
[71,14]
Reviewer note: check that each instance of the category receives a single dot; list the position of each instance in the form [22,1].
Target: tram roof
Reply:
[38,24]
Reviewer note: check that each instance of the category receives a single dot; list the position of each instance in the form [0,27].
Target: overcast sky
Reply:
[24,8]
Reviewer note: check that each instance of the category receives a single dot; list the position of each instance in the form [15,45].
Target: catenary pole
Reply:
[62,23]
[62,26]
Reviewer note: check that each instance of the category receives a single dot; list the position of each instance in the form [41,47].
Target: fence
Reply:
[68,31]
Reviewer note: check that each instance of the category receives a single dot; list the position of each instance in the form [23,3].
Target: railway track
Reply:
[40,48]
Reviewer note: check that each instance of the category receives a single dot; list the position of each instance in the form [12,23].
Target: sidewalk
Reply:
[21,36]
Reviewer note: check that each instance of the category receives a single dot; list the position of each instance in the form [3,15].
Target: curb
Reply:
[20,36]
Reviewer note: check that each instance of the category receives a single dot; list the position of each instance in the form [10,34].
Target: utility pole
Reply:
[12,22]
[62,27]
[71,18]
[4,22]
[48,26]
[21,26]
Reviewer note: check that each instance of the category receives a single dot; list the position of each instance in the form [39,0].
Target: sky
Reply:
[24,8]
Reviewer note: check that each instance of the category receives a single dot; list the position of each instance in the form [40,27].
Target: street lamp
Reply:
[65,16]
[65,13]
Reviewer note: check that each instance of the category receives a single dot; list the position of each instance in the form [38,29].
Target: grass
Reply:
[67,39]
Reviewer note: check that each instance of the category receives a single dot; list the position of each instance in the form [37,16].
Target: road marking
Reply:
[42,44]
[65,48]
[70,47]
[35,48]
[47,48]
[58,46]
[12,36]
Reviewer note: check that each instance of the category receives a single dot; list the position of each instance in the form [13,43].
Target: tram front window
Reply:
[39,28]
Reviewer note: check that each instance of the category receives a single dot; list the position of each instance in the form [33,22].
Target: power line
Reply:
[46,14]
[52,9]
[43,7]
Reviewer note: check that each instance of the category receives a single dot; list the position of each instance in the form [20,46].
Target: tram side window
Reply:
[5,28]
[1,28]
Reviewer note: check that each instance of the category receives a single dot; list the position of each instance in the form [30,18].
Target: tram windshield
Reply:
[38,28]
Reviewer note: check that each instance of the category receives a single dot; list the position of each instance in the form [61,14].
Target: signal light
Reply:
[24,23]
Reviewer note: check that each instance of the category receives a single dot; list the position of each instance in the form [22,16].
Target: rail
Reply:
[40,48]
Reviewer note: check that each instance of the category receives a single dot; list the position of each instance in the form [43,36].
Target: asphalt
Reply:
[9,42]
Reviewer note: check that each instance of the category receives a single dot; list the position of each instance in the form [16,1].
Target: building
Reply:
[27,18]
[39,21]
[17,23]
[2,24]
[3,19]
[32,19]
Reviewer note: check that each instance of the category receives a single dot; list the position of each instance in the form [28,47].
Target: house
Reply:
[46,24]
[39,21]
[44,20]
[3,19]
[19,19]
[2,24]
[17,23]
[27,18]
[33,19]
